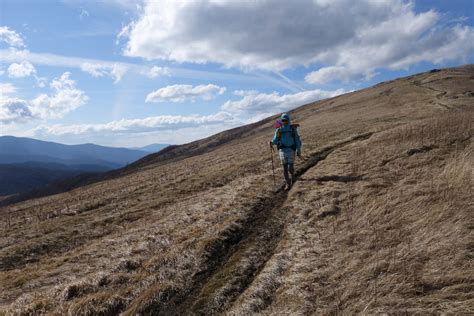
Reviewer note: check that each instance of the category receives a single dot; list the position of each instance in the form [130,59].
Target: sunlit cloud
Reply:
[65,97]
[126,126]
[253,103]
[11,38]
[350,39]
[156,71]
[21,70]
[181,93]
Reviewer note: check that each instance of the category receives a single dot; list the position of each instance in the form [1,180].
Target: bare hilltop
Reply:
[380,219]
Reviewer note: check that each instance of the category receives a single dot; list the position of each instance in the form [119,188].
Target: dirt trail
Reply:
[236,259]
[439,93]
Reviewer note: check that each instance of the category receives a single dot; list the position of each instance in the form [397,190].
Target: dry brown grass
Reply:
[382,224]
[401,240]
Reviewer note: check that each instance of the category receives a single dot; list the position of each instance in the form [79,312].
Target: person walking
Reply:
[288,142]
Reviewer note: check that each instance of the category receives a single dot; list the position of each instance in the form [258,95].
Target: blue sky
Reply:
[131,73]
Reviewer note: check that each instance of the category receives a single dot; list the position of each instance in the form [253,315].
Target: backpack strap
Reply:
[279,138]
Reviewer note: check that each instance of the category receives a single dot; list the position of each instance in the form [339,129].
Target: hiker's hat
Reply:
[285,116]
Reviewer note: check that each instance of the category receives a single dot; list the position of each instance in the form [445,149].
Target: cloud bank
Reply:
[65,97]
[182,92]
[156,71]
[350,39]
[114,70]
[266,104]
[14,110]
[131,126]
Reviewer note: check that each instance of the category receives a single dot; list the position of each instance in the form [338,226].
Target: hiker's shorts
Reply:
[287,157]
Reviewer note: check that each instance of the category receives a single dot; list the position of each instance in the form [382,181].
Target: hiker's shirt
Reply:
[287,139]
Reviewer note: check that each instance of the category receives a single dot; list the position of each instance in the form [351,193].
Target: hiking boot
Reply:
[287,187]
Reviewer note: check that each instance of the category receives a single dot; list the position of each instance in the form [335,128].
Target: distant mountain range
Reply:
[27,164]
[20,149]
[27,176]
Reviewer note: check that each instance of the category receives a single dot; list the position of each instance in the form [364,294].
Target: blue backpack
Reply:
[293,134]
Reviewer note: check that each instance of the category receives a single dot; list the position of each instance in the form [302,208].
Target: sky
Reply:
[131,73]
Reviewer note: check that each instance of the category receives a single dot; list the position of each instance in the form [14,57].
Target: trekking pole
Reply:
[273,164]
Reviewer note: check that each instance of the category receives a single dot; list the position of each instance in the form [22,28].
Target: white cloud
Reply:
[14,110]
[20,67]
[131,126]
[96,70]
[343,73]
[114,70]
[15,55]
[156,71]
[12,38]
[131,5]
[84,13]
[352,38]
[21,70]
[396,44]
[266,104]
[243,93]
[66,98]
[117,71]
[6,89]
[181,93]
[25,69]
[41,81]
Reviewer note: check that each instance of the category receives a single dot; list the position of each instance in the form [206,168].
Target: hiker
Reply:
[288,143]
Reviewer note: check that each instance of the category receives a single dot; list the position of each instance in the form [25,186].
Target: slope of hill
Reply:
[21,149]
[379,220]
[152,148]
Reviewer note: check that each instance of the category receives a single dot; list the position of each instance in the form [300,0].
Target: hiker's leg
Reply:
[291,168]
[285,173]
[284,164]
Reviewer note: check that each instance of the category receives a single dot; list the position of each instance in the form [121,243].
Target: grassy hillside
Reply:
[379,220]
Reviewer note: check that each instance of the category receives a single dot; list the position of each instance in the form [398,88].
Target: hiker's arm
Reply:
[274,141]
[298,142]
